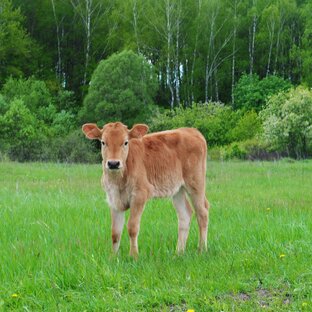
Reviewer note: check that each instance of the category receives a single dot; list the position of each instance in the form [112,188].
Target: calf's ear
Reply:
[138,131]
[91,131]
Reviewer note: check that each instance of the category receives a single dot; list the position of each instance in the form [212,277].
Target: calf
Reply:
[138,166]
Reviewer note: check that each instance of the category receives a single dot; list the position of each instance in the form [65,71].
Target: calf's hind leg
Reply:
[201,207]
[184,212]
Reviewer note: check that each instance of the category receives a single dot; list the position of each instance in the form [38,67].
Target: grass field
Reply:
[55,245]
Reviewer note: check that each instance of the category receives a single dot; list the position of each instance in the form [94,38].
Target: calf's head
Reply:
[115,138]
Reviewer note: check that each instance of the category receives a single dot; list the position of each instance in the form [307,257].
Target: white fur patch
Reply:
[117,199]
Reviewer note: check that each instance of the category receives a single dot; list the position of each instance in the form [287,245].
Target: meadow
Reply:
[55,243]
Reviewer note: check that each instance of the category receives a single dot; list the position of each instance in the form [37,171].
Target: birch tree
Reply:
[270,19]
[135,21]
[235,6]
[307,45]
[252,36]
[286,8]
[194,54]
[177,66]
[90,12]
[214,57]
[169,37]
[166,21]
[59,33]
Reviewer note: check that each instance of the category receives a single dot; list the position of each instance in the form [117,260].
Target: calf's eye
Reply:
[103,143]
[126,143]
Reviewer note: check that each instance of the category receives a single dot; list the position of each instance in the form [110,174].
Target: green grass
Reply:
[55,243]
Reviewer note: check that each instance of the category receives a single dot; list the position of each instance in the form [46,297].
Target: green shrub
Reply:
[216,153]
[4,106]
[213,120]
[251,93]
[235,150]
[34,93]
[37,97]
[248,125]
[31,119]
[122,88]
[71,148]
[251,149]
[287,122]
[63,123]
[64,100]
[3,156]
[75,148]
[20,132]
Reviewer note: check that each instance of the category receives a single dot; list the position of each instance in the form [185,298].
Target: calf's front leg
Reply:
[118,220]
[136,211]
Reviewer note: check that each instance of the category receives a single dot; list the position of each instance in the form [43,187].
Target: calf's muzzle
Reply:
[113,164]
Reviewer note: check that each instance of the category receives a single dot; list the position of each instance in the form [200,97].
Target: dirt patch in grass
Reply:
[264,297]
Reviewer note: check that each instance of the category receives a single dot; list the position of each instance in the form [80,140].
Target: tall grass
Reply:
[55,243]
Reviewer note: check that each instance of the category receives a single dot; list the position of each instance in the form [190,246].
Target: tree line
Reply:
[239,71]
[199,48]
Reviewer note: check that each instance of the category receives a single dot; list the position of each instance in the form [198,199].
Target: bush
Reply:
[213,120]
[31,118]
[20,132]
[45,106]
[251,93]
[122,88]
[73,148]
[287,122]
[34,93]
[248,125]
[65,101]
[63,123]
[3,156]
[4,106]
[251,149]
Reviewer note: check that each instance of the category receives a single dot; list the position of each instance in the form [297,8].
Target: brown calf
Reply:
[137,167]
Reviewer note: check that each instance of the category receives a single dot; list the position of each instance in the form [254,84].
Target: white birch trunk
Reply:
[177,60]
[277,47]
[216,85]
[252,41]
[90,14]
[234,51]
[195,52]
[233,66]
[271,29]
[135,24]
[208,65]
[169,40]
[58,69]
[88,37]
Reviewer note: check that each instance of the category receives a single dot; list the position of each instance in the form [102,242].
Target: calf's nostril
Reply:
[113,164]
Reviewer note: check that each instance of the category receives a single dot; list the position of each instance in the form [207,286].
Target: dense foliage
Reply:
[33,125]
[214,120]
[16,47]
[251,93]
[199,48]
[122,88]
[214,65]
[287,122]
